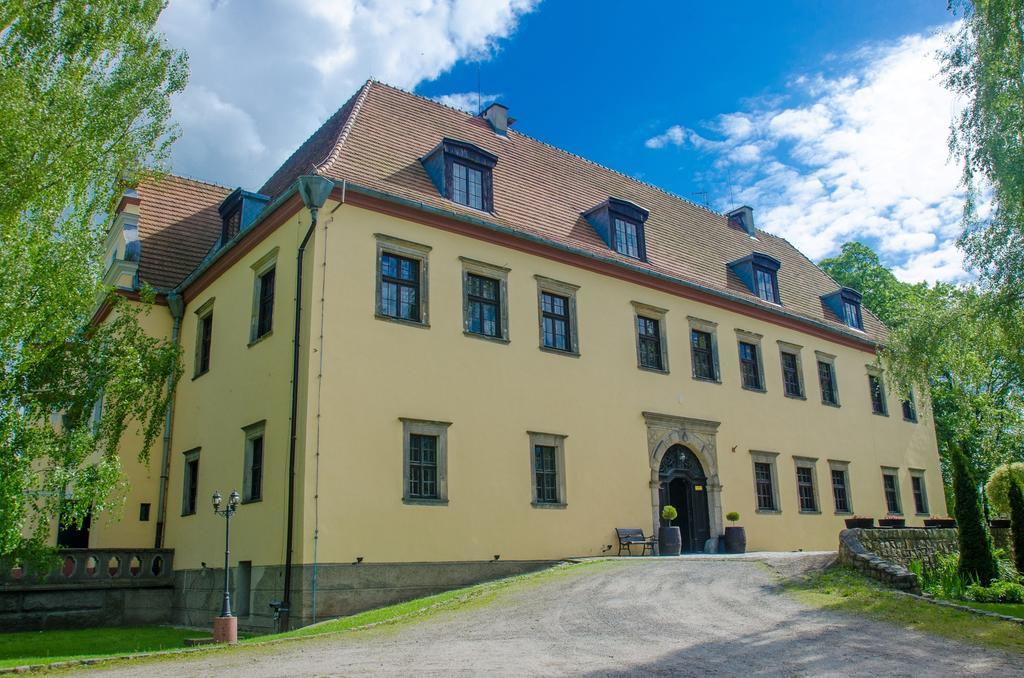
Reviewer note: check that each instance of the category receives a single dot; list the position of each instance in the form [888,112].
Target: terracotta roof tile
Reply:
[378,137]
[178,225]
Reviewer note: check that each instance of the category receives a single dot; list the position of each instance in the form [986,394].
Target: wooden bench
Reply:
[634,535]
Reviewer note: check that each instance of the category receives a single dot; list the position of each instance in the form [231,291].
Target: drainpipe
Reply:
[314,191]
[177,307]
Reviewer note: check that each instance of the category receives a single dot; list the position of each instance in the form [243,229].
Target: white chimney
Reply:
[497,115]
[744,218]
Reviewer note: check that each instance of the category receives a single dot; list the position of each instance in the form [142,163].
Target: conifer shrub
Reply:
[977,560]
[1016,496]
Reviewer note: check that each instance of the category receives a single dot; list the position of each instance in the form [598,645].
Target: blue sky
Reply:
[828,118]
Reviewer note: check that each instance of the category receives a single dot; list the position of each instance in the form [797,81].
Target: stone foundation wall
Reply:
[903,546]
[854,552]
[342,589]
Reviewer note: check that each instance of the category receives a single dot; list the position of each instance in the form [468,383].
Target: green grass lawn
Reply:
[845,590]
[1009,609]
[40,647]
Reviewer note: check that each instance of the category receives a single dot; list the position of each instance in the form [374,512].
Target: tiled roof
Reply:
[178,225]
[377,138]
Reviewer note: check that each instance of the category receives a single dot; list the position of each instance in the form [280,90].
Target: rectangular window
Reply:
[750,367]
[649,338]
[547,462]
[144,512]
[422,467]
[892,493]
[483,295]
[400,287]
[805,489]
[205,343]
[827,379]
[909,407]
[791,375]
[703,357]
[920,495]
[467,186]
[840,492]
[851,315]
[627,240]
[766,285]
[764,486]
[555,313]
[253,488]
[190,486]
[877,394]
[545,473]
[425,464]
[265,309]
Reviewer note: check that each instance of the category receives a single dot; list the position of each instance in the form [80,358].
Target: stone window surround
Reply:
[711,328]
[641,309]
[821,356]
[844,466]
[874,370]
[920,473]
[201,313]
[794,350]
[754,338]
[429,428]
[495,272]
[895,472]
[253,431]
[387,244]
[261,266]
[190,456]
[562,289]
[557,441]
[811,463]
[913,407]
[770,458]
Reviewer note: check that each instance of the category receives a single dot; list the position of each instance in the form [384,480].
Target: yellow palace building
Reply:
[431,350]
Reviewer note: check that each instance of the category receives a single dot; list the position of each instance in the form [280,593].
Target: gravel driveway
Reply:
[680,617]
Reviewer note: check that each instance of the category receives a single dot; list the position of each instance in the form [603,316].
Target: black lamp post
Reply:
[227,512]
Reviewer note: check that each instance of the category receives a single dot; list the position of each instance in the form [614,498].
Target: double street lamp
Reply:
[228,511]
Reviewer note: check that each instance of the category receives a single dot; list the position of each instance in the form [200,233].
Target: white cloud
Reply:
[863,156]
[471,102]
[265,75]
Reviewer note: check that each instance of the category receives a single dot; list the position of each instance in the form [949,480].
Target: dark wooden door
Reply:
[690,499]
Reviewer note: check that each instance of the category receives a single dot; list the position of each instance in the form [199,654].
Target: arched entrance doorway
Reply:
[683,484]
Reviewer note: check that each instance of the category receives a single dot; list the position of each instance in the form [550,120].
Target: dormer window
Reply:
[238,211]
[620,224]
[845,303]
[760,273]
[462,173]
[627,239]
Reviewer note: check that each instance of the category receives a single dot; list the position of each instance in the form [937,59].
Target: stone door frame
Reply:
[700,437]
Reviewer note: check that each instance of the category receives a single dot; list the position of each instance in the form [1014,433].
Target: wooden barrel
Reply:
[735,540]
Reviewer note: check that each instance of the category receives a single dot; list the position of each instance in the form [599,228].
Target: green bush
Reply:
[999,592]
[998,486]
[944,580]
[732,516]
[976,559]
[668,514]
[1016,496]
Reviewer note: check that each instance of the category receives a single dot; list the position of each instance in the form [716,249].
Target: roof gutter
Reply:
[529,237]
[314,191]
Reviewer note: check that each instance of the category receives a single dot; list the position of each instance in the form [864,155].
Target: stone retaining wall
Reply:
[854,552]
[903,546]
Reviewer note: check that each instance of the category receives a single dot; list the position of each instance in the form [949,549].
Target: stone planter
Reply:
[999,522]
[892,522]
[735,540]
[939,522]
[852,523]
[670,541]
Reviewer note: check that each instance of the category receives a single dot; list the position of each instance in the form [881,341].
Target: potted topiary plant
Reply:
[892,520]
[854,522]
[670,540]
[735,537]
[936,521]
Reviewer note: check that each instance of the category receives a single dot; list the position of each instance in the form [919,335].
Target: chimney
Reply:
[744,218]
[497,115]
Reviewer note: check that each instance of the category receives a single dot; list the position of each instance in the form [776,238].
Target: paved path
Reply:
[676,617]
